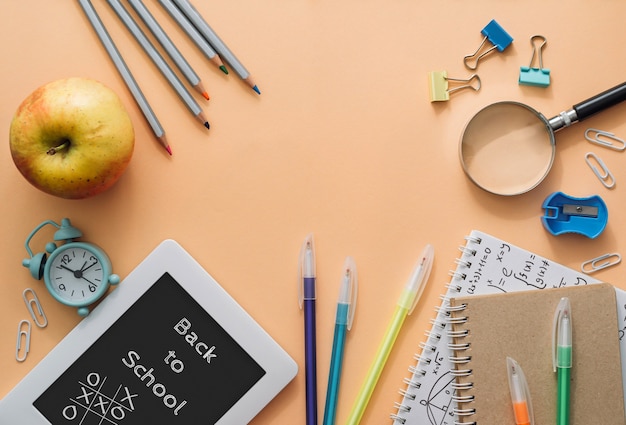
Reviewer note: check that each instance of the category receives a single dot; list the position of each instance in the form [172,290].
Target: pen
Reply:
[520,394]
[158,60]
[125,73]
[562,358]
[220,47]
[193,34]
[344,317]
[306,298]
[169,46]
[406,304]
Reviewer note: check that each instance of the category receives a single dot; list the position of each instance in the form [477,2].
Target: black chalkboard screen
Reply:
[178,351]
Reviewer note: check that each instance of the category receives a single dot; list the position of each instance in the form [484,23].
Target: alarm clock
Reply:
[75,273]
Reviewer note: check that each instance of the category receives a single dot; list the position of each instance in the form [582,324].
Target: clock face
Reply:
[76,274]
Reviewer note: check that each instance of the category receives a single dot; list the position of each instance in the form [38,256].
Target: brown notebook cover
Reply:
[519,325]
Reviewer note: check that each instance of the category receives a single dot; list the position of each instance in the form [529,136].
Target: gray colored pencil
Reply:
[193,34]
[220,47]
[124,72]
[158,60]
[169,46]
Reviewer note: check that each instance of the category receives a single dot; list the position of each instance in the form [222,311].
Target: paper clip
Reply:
[496,36]
[600,170]
[20,354]
[538,77]
[33,301]
[439,83]
[605,138]
[601,262]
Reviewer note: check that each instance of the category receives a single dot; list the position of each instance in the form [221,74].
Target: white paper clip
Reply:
[22,334]
[439,83]
[531,76]
[601,262]
[605,138]
[600,170]
[32,302]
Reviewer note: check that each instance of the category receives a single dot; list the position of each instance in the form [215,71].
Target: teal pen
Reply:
[562,358]
[346,304]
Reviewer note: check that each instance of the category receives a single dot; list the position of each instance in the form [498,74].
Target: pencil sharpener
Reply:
[567,214]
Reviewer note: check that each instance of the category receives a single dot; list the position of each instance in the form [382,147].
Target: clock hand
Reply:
[87,268]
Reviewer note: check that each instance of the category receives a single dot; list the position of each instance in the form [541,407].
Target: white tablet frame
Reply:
[170,257]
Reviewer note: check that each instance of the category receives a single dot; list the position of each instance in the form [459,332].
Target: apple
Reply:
[72,138]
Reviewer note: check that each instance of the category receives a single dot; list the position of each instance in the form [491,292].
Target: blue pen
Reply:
[306,298]
[346,304]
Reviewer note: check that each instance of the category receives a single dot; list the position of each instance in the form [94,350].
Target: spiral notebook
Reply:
[488,328]
[486,265]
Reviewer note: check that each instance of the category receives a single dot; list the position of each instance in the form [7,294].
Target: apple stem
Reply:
[62,146]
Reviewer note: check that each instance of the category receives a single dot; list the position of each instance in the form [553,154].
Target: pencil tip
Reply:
[206,124]
[224,70]
[256,89]
[206,95]
[169,150]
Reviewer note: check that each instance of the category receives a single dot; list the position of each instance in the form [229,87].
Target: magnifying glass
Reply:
[508,148]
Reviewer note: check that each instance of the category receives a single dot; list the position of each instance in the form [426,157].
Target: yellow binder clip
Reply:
[440,82]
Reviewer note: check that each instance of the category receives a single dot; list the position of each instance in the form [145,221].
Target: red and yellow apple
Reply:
[72,138]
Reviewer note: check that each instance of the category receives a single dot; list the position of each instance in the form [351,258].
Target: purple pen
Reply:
[307,295]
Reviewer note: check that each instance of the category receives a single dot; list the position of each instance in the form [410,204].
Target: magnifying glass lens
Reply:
[507,148]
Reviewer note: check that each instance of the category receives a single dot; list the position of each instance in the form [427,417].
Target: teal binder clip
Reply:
[538,77]
[496,36]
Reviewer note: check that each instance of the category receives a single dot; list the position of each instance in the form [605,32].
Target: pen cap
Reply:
[306,269]
[417,282]
[348,291]
[562,335]
[520,393]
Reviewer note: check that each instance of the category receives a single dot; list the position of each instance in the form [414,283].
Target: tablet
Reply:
[168,346]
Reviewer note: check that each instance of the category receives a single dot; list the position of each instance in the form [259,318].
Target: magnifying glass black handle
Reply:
[600,102]
[589,107]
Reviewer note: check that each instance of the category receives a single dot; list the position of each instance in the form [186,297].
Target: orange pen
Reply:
[520,395]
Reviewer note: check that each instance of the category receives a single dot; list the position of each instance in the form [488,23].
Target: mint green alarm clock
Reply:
[75,273]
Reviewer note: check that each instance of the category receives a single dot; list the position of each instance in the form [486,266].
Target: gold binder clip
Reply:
[23,334]
[32,303]
[440,82]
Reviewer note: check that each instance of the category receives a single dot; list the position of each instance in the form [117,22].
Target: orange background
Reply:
[343,142]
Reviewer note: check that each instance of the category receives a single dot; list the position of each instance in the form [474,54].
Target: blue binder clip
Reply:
[566,214]
[496,36]
[538,77]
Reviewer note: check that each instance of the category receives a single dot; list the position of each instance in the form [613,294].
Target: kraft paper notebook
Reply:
[486,265]
[519,325]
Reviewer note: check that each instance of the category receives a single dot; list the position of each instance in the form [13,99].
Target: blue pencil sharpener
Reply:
[567,214]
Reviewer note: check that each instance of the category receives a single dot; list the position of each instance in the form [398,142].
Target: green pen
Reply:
[562,358]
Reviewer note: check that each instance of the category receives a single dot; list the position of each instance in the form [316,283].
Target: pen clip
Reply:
[348,290]
[564,306]
[518,385]
[306,265]
[420,275]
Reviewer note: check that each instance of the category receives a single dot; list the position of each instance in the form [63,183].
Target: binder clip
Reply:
[496,36]
[439,85]
[530,76]
[566,214]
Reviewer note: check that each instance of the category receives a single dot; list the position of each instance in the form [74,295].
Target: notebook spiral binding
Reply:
[439,326]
